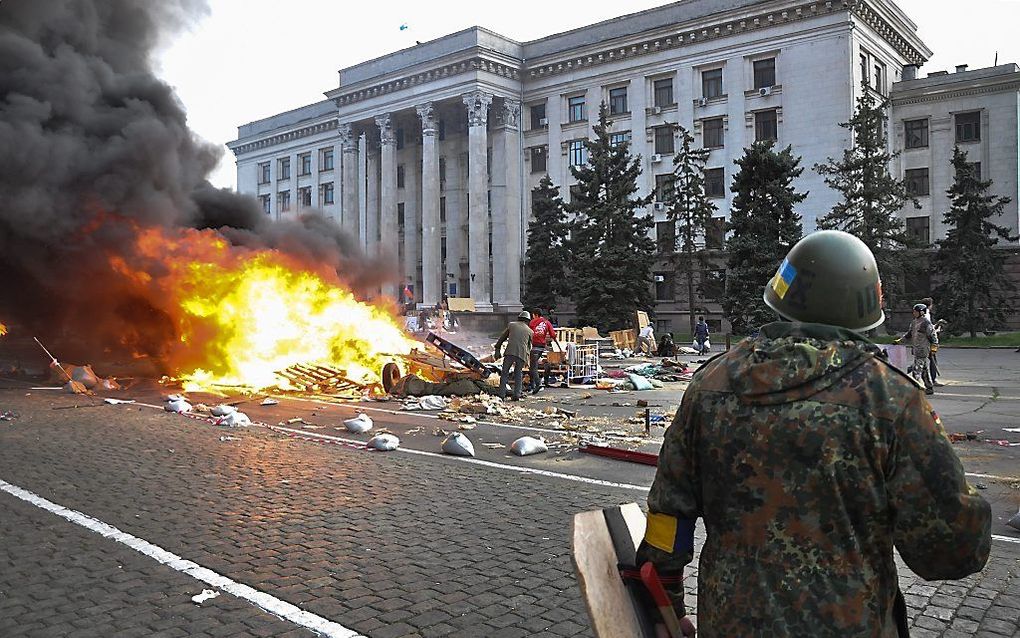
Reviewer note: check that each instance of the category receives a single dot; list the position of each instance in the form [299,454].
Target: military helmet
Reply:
[828,277]
[524,316]
[920,307]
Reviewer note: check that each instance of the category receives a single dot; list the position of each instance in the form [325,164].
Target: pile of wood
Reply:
[320,380]
[624,339]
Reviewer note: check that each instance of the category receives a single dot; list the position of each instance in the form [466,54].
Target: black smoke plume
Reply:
[93,145]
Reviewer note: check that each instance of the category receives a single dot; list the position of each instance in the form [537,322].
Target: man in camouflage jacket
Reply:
[810,458]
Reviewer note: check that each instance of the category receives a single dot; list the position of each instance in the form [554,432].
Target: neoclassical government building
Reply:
[429,154]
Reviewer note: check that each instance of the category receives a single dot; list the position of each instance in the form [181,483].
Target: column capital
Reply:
[477,103]
[509,114]
[427,113]
[387,132]
[348,137]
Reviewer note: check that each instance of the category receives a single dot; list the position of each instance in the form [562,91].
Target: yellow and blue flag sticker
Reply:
[784,278]
[670,533]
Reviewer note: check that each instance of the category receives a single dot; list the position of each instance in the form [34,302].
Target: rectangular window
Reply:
[664,140]
[328,194]
[325,159]
[538,159]
[575,109]
[442,129]
[918,229]
[264,173]
[663,186]
[713,286]
[284,168]
[442,170]
[266,201]
[764,73]
[538,116]
[305,164]
[400,138]
[711,83]
[618,100]
[577,153]
[663,286]
[442,209]
[915,133]
[283,201]
[879,79]
[619,138]
[400,215]
[305,196]
[712,132]
[665,236]
[968,127]
[715,182]
[766,126]
[400,175]
[715,233]
[865,69]
[916,181]
[663,92]
[442,248]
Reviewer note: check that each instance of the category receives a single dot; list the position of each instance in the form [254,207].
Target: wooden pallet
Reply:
[321,379]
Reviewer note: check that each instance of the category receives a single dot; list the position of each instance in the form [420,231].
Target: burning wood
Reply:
[3,329]
[320,379]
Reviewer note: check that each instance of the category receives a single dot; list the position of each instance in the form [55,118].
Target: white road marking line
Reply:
[1007,539]
[266,601]
[1011,479]
[474,461]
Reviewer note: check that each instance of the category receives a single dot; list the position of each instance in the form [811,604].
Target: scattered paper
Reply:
[118,401]
[207,594]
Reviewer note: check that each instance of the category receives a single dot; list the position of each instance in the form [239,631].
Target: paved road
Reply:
[384,544]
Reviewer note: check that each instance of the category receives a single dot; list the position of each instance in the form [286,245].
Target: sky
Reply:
[250,59]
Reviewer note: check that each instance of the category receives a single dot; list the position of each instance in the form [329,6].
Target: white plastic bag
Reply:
[223,410]
[640,382]
[433,402]
[179,406]
[528,445]
[384,442]
[359,424]
[234,419]
[458,445]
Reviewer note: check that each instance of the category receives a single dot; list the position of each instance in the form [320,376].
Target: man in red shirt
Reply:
[543,332]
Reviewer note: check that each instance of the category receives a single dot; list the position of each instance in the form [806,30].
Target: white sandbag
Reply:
[269,401]
[528,445]
[178,406]
[223,410]
[359,424]
[458,445]
[384,442]
[639,382]
[174,397]
[234,419]
[433,402]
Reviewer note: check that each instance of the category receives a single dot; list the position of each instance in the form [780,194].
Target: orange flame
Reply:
[241,315]
[3,329]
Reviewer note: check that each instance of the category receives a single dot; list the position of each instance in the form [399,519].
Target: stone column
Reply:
[431,257]
[349,184]
[509,267]
[477,103]
[388,200]
[372,197]
[362,191]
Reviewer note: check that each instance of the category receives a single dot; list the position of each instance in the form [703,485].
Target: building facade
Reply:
[429,154]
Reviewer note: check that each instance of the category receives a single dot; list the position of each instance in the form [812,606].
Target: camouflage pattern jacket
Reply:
[809,458]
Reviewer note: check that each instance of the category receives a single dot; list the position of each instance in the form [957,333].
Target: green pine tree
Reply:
[690,209]
[763,228]
[872,197]
[611,251]
[974,293]
[545,276]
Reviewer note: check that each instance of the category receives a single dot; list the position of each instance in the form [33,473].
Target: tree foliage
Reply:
[974,293]
[690,209]
[872,197]
[763,228]
[546,275]
[610,248]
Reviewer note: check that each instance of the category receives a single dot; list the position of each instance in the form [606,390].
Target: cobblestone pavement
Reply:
[389,545]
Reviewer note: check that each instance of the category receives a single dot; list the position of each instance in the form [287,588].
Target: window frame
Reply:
[656,89]
[706,82]
[536,121]
[283,167]
[535,152]
[283,201]
[772,71]
[664,183]
[717,177]
[907,133]
[912,178]
[974,126]
[617,104]
[304,196]
[662,133]
[758,125]
[401,176]
[660,239]
[265,172]
[266,199]
[304,159]
[578,103]
[666,284]
[577,153]
[923,238]
[721,132]
[324,154]
[329,189]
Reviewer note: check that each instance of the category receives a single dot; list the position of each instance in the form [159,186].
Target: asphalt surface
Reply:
[406,543]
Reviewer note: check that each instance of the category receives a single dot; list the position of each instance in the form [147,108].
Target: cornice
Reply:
[870,16]
[476,63]
[306,131]
[939,96]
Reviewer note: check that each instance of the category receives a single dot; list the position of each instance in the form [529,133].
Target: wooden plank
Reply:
[460,304]
[609,604]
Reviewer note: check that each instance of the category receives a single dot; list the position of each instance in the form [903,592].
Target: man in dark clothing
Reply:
[922,337]
[542,333]
[667,348]
[810,459]
[517,336]
[701,335]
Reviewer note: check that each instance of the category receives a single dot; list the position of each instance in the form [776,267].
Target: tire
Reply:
[390,376]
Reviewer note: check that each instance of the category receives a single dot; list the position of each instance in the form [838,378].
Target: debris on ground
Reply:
[527,445]
[177,403]
[269,401]
[413,386]
[359,424]
[112,401]
[227,437]
[7,415]
[222,410]
[234,419]
[76,387]
[384,442]
[427,402]
[1014,522]
[458,445]
[207,594]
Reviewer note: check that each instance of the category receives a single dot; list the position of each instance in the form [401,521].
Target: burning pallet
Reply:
[320,379]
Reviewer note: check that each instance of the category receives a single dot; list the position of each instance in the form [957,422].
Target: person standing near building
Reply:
[542,333]
[810,459]
[517,336]
[933,362]
[646,340]
[922,337]
[701,335]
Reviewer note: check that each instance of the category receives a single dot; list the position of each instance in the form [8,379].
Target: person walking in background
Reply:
[542,333]
[701,335]
[810,458]
[517,336]
[646,340]
[922,337]
[667,347]
[933,362]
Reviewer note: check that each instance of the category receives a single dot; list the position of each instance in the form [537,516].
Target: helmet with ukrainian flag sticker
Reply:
[828,277]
